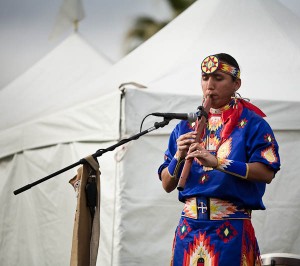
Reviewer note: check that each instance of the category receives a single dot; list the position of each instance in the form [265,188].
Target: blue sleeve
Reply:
[262,145]
[170,152]
[181,128]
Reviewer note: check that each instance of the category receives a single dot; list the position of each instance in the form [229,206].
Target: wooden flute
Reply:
[202,120]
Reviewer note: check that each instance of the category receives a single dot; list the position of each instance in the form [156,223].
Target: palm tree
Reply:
[144,27]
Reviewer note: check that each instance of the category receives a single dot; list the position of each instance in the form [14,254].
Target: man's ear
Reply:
[238,84]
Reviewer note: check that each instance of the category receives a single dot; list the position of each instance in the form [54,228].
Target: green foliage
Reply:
[145,27]
[179,6]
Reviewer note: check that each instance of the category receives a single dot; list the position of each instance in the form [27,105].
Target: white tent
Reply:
[57,81]
[137,218]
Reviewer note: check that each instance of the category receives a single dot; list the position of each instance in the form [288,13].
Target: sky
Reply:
[26,28]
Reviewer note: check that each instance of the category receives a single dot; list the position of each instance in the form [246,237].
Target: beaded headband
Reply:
[211,64]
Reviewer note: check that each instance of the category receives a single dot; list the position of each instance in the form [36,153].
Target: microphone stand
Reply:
[95,155]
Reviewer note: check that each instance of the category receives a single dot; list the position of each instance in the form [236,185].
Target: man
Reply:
[236,157]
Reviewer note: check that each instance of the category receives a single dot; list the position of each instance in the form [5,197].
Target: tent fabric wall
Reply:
[147,216]
[277,228]
[168,64]
[31,223]
[96,120]
[36,225]
[282,115]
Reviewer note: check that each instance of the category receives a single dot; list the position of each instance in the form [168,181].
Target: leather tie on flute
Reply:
[202,119]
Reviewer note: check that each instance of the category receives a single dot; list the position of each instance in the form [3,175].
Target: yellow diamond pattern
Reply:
[226,232]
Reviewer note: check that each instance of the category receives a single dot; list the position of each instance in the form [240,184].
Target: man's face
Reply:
[220,87]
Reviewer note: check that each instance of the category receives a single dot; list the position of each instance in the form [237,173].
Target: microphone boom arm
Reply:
[95,155]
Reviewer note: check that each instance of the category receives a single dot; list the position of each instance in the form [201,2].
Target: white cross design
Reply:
[202,208]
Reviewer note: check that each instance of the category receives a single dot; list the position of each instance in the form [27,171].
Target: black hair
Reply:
[229,60]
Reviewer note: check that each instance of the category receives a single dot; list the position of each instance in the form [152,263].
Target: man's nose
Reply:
[210,83]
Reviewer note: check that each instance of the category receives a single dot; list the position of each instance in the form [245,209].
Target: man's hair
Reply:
[229,60]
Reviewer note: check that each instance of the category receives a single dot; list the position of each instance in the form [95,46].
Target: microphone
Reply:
[191,117]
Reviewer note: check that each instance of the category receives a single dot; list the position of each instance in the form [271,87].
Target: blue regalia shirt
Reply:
[250,139]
